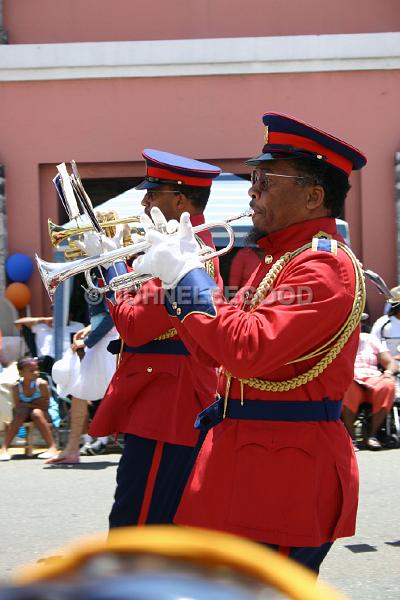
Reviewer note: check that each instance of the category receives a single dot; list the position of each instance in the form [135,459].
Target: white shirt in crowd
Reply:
[366,363]
[44,337]
[388,329]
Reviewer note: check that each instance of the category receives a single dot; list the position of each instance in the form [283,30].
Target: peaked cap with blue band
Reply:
[164,168]
[289,138]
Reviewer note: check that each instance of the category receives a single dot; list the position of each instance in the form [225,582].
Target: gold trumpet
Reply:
[59,233]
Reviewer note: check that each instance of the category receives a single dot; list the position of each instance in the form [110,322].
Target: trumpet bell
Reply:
[51,274]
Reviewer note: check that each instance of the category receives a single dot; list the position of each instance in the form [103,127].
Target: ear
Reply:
[182,203]
[315,199]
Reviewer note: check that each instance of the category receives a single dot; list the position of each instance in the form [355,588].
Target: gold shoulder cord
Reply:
[331,348]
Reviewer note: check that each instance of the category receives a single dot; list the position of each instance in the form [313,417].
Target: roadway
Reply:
[44,507]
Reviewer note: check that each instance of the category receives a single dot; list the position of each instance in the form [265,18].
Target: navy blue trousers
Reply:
[151,477]
[310,557]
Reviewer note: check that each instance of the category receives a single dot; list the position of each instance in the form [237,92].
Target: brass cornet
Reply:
[71,192]
[59,233]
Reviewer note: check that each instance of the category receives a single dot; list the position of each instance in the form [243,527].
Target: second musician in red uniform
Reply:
[159,385]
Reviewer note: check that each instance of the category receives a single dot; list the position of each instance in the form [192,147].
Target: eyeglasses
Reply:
[152,193]
[262,181]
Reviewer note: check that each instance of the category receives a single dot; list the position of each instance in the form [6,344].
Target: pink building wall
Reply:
[45,21]
[104,123]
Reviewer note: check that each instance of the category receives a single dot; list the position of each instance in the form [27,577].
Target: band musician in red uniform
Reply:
[159,385]
[277,464]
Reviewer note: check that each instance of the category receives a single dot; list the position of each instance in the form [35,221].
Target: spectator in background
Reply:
[244,263]
[43,330]
[387,327]
[96,370]
[370,385]
[31,401]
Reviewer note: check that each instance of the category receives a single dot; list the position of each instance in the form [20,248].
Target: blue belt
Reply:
[154,347]
[270,410]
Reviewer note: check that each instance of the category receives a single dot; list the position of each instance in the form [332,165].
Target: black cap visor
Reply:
[152,183]
[148,185]
[271,152]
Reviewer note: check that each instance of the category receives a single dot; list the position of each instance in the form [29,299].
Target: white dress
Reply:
[96,369]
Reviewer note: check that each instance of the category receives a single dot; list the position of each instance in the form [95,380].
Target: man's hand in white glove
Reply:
[158,222]
[94,243]
[188,241]
[172,255]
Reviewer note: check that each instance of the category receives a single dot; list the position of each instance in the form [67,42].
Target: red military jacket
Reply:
[155,396]
[286,483]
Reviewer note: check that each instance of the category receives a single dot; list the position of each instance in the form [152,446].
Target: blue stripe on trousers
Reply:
[132,473]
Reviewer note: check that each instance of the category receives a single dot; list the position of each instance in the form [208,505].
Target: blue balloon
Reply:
[19,267]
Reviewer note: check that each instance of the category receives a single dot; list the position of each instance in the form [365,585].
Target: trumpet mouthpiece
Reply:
[246,213]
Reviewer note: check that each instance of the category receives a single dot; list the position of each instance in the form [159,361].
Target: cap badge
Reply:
[266,135]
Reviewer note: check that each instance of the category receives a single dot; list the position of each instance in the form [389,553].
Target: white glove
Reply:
[158,222]
[171,256]
[188,241]
[95,243]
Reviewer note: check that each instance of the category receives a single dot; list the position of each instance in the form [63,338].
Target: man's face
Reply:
[283,202]
[165,199]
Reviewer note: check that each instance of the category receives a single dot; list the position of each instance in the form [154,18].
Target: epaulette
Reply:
[322,244]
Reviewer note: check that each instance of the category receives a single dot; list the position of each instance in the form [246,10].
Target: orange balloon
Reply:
[19,294]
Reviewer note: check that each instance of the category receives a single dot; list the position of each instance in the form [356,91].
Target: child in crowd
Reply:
[95,372]
[31,401]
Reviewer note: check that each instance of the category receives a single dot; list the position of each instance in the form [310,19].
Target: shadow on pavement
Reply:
[94,466]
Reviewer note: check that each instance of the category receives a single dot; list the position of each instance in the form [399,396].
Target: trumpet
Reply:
[71,191]
[53,274]
[59,233]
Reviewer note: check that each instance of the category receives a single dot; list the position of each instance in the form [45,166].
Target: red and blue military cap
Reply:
[289,138]
[164,168]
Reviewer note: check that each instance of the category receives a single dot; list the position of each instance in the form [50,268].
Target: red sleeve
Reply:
[312,299]
[140,317]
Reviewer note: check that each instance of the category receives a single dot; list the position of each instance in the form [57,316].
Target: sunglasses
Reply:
[261,179]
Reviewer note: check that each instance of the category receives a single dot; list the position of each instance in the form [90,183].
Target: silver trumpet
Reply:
[53,274]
